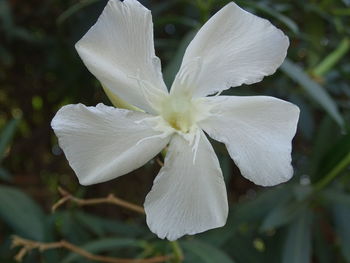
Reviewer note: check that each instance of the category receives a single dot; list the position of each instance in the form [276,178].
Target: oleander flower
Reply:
[188,195]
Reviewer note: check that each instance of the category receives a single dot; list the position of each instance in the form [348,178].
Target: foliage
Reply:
[304,220]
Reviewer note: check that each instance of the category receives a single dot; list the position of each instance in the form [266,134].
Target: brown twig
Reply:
[110,199]
[29,245]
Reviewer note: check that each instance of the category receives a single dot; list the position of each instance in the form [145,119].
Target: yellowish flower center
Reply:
[180,112]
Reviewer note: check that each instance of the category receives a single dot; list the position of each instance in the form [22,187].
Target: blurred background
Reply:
[305,220]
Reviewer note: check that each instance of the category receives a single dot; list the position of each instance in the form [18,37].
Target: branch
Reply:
[29,245]
[110,199]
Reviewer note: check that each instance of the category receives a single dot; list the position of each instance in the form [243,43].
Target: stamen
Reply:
[157,124]
[146,120]
[147,89]
[161,136]
[189,73]
[218,93]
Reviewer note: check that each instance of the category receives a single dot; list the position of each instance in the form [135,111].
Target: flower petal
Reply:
[119,51]
[233,48]
[187,196]
[102,142]
[257,132]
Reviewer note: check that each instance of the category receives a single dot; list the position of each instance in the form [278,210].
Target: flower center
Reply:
[180,112]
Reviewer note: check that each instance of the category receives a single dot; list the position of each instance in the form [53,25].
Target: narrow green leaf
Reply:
[341,11]
[323,246]
[332,59]
[241,247]
[104,245]
[334,162]
[248,212]
[315,91]
[336,153]
[282,215]
[21,213]
[102,226]
[5,15]
[6,136]
[226,166]
[302,192]
[334,197]
[260,206]
[273,13]
[323,141]
[297,247]
[74,9]
[5,56]
[175,19]
[161,7]
[205,252]
[341,215]
[5,175]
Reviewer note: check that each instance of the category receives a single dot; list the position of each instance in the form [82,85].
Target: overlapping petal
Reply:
[102,142]
[188,196]
[257,132]
[119,51]
[233,48]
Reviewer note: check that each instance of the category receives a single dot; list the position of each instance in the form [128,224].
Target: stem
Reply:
[329,62]
[345,162]
[177,252]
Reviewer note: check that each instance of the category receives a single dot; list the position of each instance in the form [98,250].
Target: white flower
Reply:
[188,196]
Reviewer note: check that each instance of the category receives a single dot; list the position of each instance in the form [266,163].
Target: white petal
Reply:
[233,48]
[102,143]
[187,197]
[119,51]
[257,132]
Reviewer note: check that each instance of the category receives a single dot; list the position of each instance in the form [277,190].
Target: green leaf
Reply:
[323,141]
[5,56]
[273,13]
[21,213]
[315,91]
[338,152]
[5,15]
[282,215]
[69,227]
[333,58]
[297,247]
[5,175]
[104,245]
[323,247]
[247,212]
[261,205]
[244,250]
[205,252]
[74,9]
[226,166]
[341,215]
[334,197]
[334,162]
[161,7]
[175,19]
[102,226]
[6,136]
